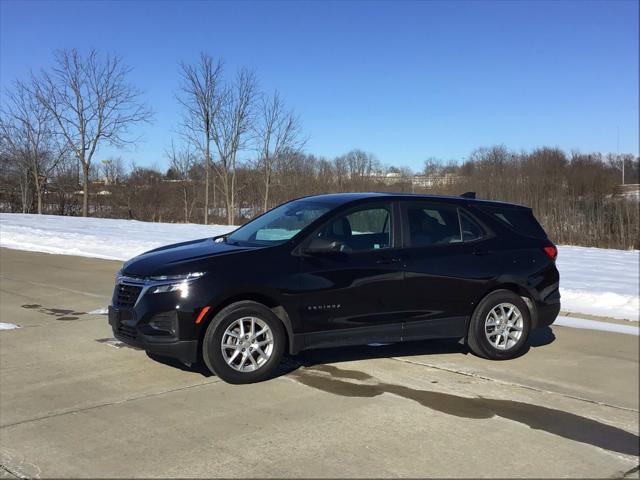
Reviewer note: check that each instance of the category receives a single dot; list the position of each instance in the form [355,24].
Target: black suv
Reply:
[342,269]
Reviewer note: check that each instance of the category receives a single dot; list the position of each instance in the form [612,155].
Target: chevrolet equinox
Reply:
[342,269]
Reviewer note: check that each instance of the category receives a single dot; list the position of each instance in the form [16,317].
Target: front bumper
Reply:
[160,323]
[127,329]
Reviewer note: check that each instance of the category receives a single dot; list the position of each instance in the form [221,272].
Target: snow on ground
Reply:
[600,281]
[99,311]
[8,326]
[631,329]
[95,237]
[594,281]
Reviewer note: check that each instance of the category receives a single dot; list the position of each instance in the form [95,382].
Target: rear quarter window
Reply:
[471,231]
[520,220]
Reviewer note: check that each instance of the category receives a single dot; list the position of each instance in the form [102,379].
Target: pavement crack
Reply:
[8,470]
[106,404]
[513,384]
[630,472]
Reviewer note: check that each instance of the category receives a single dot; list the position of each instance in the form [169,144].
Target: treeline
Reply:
[240,151]
[578,197]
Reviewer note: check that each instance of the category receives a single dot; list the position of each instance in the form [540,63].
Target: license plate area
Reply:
[119,316]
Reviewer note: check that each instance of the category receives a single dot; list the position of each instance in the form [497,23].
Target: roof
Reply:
[348,197]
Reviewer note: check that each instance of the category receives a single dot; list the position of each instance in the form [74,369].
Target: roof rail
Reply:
[468,195]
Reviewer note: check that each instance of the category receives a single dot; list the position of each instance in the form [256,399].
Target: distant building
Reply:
[435,180]
[630,191]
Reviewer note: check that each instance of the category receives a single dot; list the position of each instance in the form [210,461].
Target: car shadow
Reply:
[197,367]
[308,358]
[541,337]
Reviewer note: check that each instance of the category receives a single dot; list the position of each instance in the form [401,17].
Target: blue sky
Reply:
[404,80]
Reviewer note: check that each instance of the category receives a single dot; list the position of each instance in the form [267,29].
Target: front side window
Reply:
[278,225]
[432,224]
[359,231]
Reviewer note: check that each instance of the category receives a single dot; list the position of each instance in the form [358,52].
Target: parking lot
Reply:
[75,403]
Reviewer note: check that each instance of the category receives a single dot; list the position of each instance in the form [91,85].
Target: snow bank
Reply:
[95,237]
[600,281]
[594,281]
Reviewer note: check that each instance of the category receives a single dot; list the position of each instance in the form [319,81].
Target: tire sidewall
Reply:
[478,324]
[211,347]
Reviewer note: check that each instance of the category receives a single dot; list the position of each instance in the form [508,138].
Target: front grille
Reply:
[127,331]
[126,295]
[133,278]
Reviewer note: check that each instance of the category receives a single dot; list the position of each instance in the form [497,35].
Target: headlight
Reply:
[182,285]
[183,276]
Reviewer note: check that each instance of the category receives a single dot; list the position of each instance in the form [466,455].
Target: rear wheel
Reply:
[244,343]
[500,326]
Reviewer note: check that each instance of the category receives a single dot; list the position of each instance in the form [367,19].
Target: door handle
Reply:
[388,261]
[481,252]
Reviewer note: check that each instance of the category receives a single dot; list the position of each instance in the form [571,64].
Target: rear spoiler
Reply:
[471,195]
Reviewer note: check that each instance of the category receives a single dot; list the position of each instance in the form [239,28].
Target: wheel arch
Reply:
[523,292]
[268,300]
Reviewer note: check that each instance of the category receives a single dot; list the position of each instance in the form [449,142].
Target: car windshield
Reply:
[278,225]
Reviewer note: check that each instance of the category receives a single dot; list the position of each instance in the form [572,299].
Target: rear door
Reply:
[449,259]
[351,297]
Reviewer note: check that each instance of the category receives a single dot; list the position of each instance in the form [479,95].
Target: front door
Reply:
[351,296]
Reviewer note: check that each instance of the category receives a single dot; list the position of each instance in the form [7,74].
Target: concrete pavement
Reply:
[74,405]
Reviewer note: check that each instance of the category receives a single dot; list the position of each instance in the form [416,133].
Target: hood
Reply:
[178,258]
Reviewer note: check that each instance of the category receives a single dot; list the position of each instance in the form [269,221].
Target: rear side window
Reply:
[521,220]
[431,224]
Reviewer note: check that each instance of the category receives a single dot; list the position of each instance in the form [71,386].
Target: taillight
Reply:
[551,251]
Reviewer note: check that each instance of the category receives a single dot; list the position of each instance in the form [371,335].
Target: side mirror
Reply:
[323,245]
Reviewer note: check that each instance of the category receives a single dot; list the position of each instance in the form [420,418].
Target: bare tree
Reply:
[26,129]
[278,133]
[91,103]
[357,167]
[201,97]
[230,132]
[112,170]
[14,179]
[182,163]
[432,166]
[361,164]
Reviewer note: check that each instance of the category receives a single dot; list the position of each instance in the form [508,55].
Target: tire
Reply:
[233,363]
[510,344]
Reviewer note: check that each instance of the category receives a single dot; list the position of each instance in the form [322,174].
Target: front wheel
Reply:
[244,343]
[500,326]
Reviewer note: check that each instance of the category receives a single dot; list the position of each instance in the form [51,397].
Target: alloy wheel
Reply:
[247,344]
[503,326]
